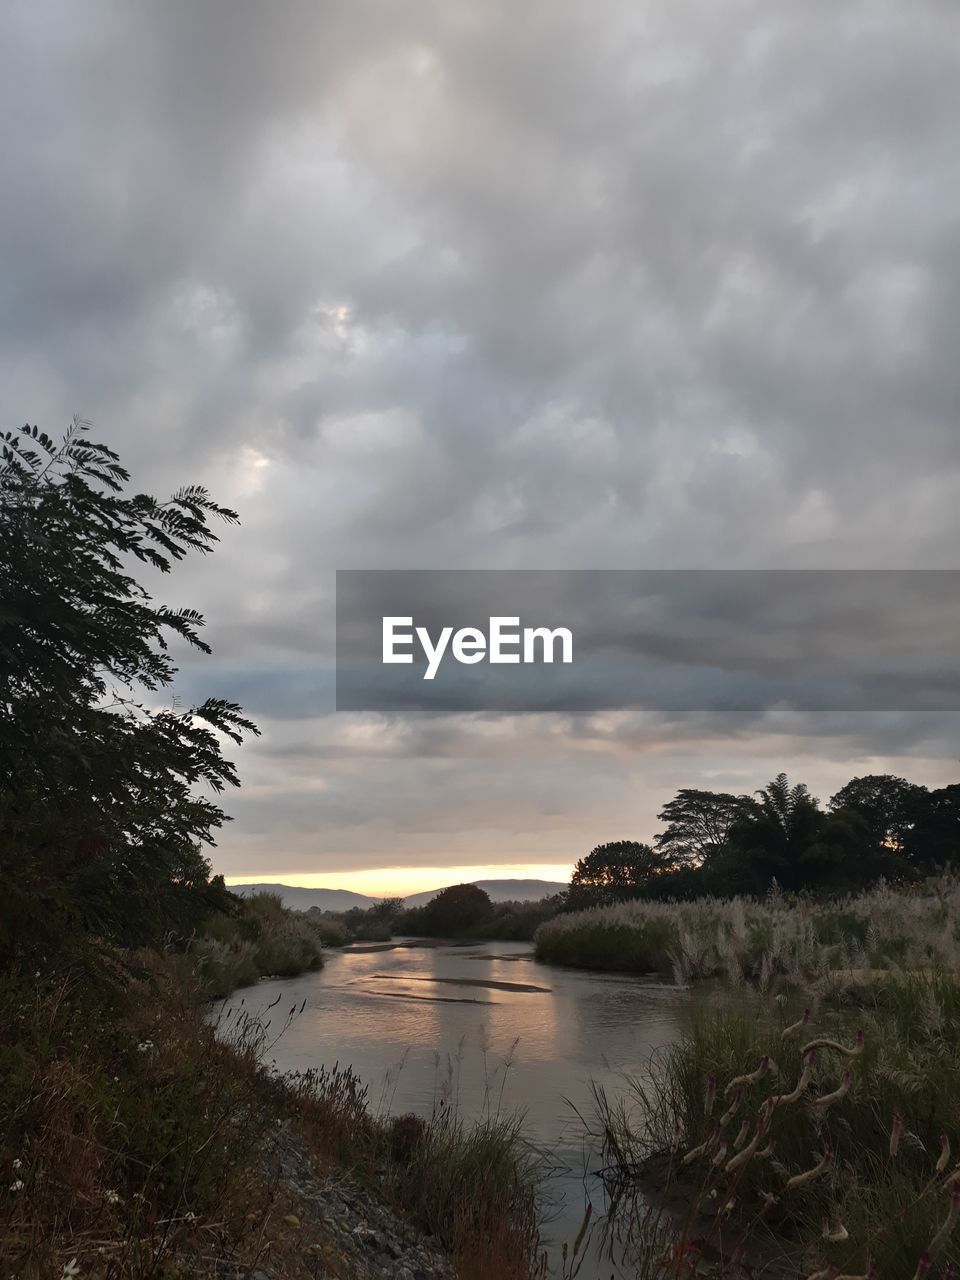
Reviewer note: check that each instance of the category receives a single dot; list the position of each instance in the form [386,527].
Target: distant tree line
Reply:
[715,843]
[460,911]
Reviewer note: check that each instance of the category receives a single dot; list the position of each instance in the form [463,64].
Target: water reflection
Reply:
[490,1026]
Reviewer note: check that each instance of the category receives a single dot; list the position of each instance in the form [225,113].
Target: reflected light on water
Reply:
[486,1026]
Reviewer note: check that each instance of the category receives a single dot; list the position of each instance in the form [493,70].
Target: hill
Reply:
[300,899]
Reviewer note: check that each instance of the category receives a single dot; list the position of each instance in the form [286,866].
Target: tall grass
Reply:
[474,1185]
[758,940]
[477,1182]
[130,1136]
[140,1139]
[833,1133]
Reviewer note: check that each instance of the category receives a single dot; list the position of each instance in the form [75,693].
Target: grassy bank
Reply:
[833,1133]
[744,939]
[262,940]
[140,1141]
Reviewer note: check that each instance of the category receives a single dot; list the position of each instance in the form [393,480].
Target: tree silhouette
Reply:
[102,820]
[615,872]
[768,840]
[932,840]
[455,909]
[886,803]
[698,824]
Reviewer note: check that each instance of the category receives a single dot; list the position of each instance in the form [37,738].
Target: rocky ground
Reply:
[332,1228]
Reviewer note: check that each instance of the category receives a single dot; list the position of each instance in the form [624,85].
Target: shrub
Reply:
[128,1127]
[607,944]
[265,939]
[330,929]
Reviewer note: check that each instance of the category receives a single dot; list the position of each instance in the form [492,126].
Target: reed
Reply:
[766,941]
[828,1139]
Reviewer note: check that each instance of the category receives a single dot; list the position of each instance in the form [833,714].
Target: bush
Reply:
[610,945]
[264,939]
[329,928]
[515,921]
[367,926]
[128,1127]
[454,911]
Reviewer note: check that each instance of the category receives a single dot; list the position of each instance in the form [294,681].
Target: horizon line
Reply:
[386,882]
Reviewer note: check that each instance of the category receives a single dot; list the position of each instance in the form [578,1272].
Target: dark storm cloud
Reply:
[659,639]
[621,285]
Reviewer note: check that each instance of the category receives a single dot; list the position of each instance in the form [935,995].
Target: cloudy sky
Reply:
[486,285]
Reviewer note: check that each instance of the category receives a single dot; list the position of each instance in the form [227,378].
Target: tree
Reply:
[845,855]
[615,872]
[887,804]
[769,839]
[102,824]
[932,840]
[456,909]
[698,824]
[682,884]
[387,909]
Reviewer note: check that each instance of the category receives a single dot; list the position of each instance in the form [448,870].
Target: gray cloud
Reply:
[471,285]
[844,640]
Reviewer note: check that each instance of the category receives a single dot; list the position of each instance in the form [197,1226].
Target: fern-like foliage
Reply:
[105,803]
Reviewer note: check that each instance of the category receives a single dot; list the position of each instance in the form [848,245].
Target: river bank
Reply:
[140,1139]
[828,1129]
[486,1031]
[623,1078]
[795,937]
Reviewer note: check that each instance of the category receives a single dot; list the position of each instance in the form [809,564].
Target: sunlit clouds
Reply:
[487,286]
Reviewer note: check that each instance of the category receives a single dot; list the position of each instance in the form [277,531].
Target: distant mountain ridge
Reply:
[301,899]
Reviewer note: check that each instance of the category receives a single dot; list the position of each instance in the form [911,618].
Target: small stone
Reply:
[291,1220]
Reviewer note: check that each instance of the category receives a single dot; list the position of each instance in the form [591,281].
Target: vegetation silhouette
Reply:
[714,844]
[139,1136]
[102,820]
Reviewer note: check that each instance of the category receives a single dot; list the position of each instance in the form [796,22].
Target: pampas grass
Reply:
[850,941]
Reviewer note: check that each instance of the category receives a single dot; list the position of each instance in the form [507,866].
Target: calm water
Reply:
[414,1023]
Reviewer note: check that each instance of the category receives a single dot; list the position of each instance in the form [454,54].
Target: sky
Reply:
[480,285]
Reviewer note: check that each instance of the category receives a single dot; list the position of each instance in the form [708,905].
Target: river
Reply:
[491,1028]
